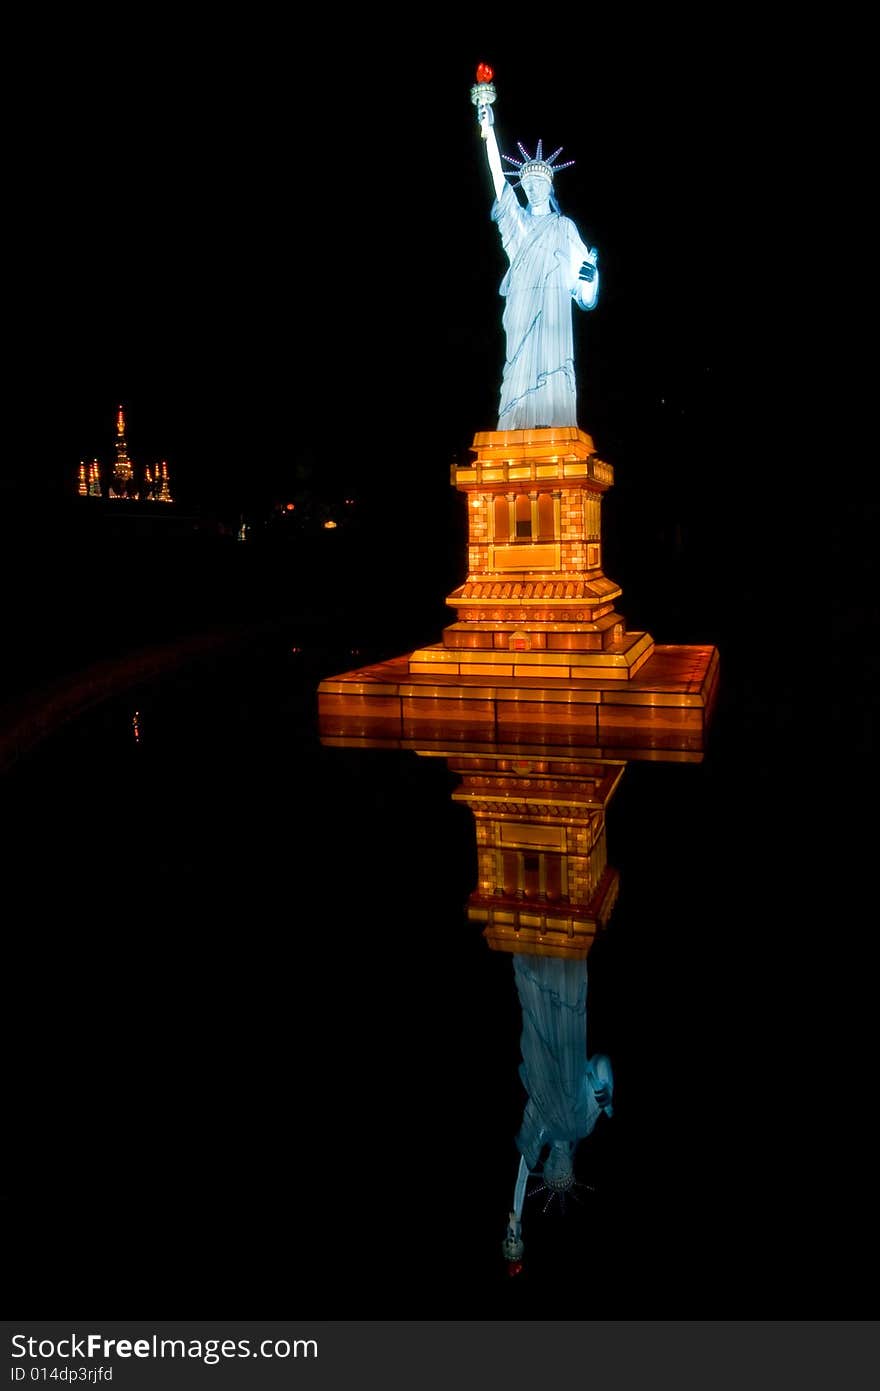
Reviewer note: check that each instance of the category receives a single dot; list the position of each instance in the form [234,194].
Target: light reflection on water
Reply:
[286,1060]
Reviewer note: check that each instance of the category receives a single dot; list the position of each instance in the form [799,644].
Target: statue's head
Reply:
[535,173]
[536,185]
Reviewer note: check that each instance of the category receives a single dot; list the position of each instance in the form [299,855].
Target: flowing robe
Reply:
[545,253]
[565,1096]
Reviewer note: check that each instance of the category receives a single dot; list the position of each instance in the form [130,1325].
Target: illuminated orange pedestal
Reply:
[544,885]
[536,602]
[666,705]
[543,882]
[537,642]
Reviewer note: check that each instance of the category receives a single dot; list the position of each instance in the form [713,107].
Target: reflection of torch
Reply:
[482,96]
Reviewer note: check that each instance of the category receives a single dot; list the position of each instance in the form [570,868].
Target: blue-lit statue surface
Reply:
[566,1092]
[549,267]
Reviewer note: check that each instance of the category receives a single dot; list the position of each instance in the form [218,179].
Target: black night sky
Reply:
[286,259]
[282,263]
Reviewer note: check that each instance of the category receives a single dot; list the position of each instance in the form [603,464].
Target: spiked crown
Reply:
[536,164]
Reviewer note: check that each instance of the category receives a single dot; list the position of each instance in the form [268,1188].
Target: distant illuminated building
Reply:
[156,487]
[123,484]
[164,494]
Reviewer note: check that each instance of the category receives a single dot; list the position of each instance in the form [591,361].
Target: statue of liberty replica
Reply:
[539,673]
[549,267]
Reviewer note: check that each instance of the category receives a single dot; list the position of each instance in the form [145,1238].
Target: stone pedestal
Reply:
[538,650]
[536,602]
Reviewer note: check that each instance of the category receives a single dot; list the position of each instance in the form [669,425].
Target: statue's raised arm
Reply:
[482,96]
[549,266]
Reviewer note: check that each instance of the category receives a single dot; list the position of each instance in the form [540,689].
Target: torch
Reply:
[482,95]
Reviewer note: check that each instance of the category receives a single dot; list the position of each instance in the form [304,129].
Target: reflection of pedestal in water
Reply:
[543,882]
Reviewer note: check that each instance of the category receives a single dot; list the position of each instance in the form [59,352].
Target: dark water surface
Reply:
[262,1063]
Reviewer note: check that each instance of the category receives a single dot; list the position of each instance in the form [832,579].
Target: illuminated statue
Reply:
[549,267]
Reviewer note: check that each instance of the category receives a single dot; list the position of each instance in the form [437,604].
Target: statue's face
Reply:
[536,188]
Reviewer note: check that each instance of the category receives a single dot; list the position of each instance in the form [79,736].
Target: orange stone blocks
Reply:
[538,649]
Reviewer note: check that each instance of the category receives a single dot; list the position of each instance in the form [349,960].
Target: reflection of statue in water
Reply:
[549,267]
[566,1093]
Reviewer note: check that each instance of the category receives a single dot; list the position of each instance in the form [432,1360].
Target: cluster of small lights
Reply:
[156,487]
